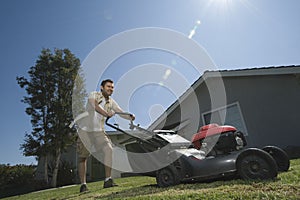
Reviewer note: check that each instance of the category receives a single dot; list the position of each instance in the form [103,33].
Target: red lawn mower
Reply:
[217,152]
[218,140]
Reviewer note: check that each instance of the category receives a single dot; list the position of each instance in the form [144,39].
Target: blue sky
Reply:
[235,34]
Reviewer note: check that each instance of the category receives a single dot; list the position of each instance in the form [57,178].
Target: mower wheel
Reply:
[280,156]
[167,176]
[253,164]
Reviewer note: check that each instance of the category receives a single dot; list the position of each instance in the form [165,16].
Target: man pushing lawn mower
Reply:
[91,131]
[168,156]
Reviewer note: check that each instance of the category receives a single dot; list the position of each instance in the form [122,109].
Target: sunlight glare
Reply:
[221,4]
[193,31]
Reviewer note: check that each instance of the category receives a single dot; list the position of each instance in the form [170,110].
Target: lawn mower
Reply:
[220,140]
[173,159]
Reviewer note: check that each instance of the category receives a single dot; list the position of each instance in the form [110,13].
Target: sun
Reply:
[221,3]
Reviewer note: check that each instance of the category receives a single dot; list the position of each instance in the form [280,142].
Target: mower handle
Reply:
[116,127]
[132,126]
[124,113]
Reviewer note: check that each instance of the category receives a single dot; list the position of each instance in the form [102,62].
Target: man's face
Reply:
[108,89]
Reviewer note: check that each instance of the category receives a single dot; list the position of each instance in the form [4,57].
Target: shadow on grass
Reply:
[154,189]
[132,192]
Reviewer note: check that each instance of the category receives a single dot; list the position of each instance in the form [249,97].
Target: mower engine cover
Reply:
[219,139]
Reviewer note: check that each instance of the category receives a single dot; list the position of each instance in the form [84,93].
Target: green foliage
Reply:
[12,177]
[17,175]
[20,179]
[287,186]
[49,89]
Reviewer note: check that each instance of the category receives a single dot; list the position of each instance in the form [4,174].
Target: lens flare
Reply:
[167,74]
[193,31]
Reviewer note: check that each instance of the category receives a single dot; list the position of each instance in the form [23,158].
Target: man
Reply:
[91,131]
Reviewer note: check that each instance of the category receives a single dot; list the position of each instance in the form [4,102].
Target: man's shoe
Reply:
[109,183]
[83,188]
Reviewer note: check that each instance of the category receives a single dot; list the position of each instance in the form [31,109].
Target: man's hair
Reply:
[106,81]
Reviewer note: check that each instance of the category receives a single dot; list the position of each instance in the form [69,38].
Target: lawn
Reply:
[286,186]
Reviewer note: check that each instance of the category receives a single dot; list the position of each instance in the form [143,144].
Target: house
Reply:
[263,103]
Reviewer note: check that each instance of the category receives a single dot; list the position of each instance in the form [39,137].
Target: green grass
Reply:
[287,186]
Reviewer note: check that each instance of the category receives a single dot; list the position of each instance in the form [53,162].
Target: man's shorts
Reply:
[88,142]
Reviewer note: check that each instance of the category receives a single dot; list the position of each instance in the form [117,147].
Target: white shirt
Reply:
[94,121]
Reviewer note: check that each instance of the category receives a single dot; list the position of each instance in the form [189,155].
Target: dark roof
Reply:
[257,71]
[259,68]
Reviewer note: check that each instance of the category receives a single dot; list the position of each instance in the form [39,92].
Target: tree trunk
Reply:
[46,177]
[56,166]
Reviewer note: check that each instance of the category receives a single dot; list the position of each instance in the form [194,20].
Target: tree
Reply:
[50,88]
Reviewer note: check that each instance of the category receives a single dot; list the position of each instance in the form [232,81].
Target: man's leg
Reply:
[107,149]
[82,174]
[83,155]
[82,170]
[104,144]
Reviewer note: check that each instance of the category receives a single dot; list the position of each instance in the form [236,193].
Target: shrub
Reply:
[66,174]
[19,176]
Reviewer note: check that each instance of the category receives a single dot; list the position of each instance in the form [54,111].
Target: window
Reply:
[233,117]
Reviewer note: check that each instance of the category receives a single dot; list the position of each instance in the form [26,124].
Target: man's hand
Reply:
[132,117]
[110,114]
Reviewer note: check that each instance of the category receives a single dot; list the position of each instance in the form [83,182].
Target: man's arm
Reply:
[118,109]
[98,109]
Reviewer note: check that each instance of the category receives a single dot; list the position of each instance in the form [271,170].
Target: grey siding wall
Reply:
[270,106]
